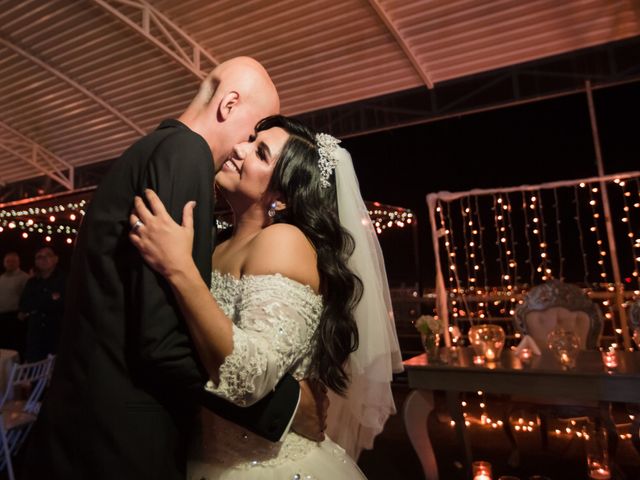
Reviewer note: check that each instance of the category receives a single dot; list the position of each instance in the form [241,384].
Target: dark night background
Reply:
[526,144]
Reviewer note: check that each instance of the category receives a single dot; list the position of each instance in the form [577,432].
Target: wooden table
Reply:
[543,377]
[7,359]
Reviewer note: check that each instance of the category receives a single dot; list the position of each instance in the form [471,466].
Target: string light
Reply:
[477,289]
[468,226]
[501,208]
[449,244]
[558,222]
[384,217]
[540,232]
[627,219]
[527,227]
[513,263]
[578,219]
[596,231]
[483,262]
[602,253]
[501,236]
[41,220]
[43,211]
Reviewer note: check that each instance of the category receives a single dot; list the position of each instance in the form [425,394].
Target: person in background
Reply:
[12,282]
[42,306]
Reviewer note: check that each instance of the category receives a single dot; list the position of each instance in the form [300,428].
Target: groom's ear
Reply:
[227,105]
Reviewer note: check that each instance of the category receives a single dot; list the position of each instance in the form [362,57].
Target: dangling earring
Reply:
[272,210]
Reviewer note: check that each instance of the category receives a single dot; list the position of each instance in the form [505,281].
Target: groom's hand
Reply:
[311,417]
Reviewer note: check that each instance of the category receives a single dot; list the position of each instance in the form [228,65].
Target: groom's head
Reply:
[231,100]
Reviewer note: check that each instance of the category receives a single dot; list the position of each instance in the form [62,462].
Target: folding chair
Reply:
[18,415]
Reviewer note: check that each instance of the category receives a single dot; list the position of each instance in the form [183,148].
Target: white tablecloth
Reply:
[7,359]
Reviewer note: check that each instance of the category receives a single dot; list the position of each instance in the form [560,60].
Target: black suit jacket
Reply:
[127,381]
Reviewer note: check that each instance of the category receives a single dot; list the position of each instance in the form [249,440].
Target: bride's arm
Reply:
[269,308]
[211,329]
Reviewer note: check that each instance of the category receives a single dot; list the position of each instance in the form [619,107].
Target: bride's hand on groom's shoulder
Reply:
[311,417]
[164,244]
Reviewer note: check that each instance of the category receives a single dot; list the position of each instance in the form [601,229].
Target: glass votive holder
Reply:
[596,446]
[599,473]
[525,355]
[481,470]
[565,345]
[478,359]
[487,340]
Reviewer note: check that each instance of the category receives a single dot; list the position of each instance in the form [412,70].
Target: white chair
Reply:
[18,415]
[546,307]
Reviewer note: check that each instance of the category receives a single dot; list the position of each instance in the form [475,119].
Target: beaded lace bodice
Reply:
[274,321]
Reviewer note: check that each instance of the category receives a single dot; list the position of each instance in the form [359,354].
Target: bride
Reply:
[299,287]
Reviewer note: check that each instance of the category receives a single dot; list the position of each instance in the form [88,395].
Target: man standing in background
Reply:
[42,306]
[12,282]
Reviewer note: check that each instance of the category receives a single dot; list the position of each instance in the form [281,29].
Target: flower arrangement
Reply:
[430,329]
[428,325]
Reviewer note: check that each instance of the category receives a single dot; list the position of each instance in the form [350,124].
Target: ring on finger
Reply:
[137,225]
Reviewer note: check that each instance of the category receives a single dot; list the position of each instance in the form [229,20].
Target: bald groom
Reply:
[127,381]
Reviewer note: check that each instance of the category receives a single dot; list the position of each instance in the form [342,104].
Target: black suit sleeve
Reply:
[181,171]
[268,417]
[178,171]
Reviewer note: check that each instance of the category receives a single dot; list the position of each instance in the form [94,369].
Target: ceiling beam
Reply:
[92,96]
[37,156]
[402,42]
[163,33]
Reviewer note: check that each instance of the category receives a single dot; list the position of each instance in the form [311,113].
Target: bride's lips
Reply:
[231,165]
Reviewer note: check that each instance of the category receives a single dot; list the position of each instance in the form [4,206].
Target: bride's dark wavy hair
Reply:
[314,210]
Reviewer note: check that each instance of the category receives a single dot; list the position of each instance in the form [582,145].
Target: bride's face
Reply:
[246,174]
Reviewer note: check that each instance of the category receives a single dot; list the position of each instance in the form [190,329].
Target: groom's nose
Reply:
[240,150]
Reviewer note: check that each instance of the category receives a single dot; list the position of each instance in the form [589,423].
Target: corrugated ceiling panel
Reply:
[320,54]
[312,47]
[459,38]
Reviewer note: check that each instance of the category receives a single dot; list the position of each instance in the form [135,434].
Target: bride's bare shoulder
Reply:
[283,249]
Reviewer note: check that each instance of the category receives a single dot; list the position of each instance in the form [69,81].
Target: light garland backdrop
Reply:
[55,220]
[493,245]
[48,220]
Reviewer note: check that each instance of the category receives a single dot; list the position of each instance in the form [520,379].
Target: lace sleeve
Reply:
[274,324]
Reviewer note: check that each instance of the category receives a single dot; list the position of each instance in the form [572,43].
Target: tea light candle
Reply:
[478,360]
[481,470]
[525,354]
[565,359]
[601,473]
[490,354]
[484,476]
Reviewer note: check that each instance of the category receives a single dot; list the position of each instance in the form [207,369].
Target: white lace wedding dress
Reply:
[274,321]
